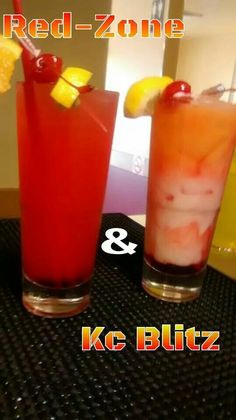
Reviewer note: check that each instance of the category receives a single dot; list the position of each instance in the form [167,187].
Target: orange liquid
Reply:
[63,161]
[191,149]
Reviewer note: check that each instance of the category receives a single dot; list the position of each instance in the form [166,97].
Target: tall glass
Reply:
[192,145]
[63,164]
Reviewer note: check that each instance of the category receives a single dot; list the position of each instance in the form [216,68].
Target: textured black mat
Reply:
[46,375]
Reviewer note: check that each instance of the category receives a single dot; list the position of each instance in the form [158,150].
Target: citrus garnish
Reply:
[141,95]
[10,51]
[65,91]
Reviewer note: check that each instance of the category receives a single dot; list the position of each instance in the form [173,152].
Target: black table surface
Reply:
[45,374]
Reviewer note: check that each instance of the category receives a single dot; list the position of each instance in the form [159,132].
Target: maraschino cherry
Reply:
[173,88]
[46,68]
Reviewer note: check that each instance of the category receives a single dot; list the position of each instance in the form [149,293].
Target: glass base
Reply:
[55,302]
[170,287]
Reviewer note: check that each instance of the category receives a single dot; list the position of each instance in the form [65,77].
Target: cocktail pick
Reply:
[218,90]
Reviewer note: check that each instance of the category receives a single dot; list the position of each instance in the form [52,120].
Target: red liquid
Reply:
[63,163]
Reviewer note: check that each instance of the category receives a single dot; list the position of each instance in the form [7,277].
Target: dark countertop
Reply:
[45,373]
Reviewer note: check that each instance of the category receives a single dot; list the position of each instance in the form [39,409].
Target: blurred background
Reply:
[205,56]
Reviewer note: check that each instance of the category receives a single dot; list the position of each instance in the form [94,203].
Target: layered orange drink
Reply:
[192,144]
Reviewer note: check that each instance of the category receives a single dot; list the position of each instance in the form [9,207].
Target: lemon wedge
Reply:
[141,95]
[10,51]
[66,94]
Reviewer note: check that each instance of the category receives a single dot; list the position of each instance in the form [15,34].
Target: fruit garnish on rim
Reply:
[142,95]
[10,52]
[67,89]
[47,68]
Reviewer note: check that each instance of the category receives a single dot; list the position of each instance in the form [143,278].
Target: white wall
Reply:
[130,59]
[207,61]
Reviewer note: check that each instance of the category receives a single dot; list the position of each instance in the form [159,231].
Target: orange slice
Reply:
[66,94]
[142,95]
[10,51]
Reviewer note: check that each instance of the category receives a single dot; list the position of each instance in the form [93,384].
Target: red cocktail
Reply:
[63,163]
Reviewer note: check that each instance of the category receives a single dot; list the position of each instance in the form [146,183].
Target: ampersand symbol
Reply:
[125,249]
